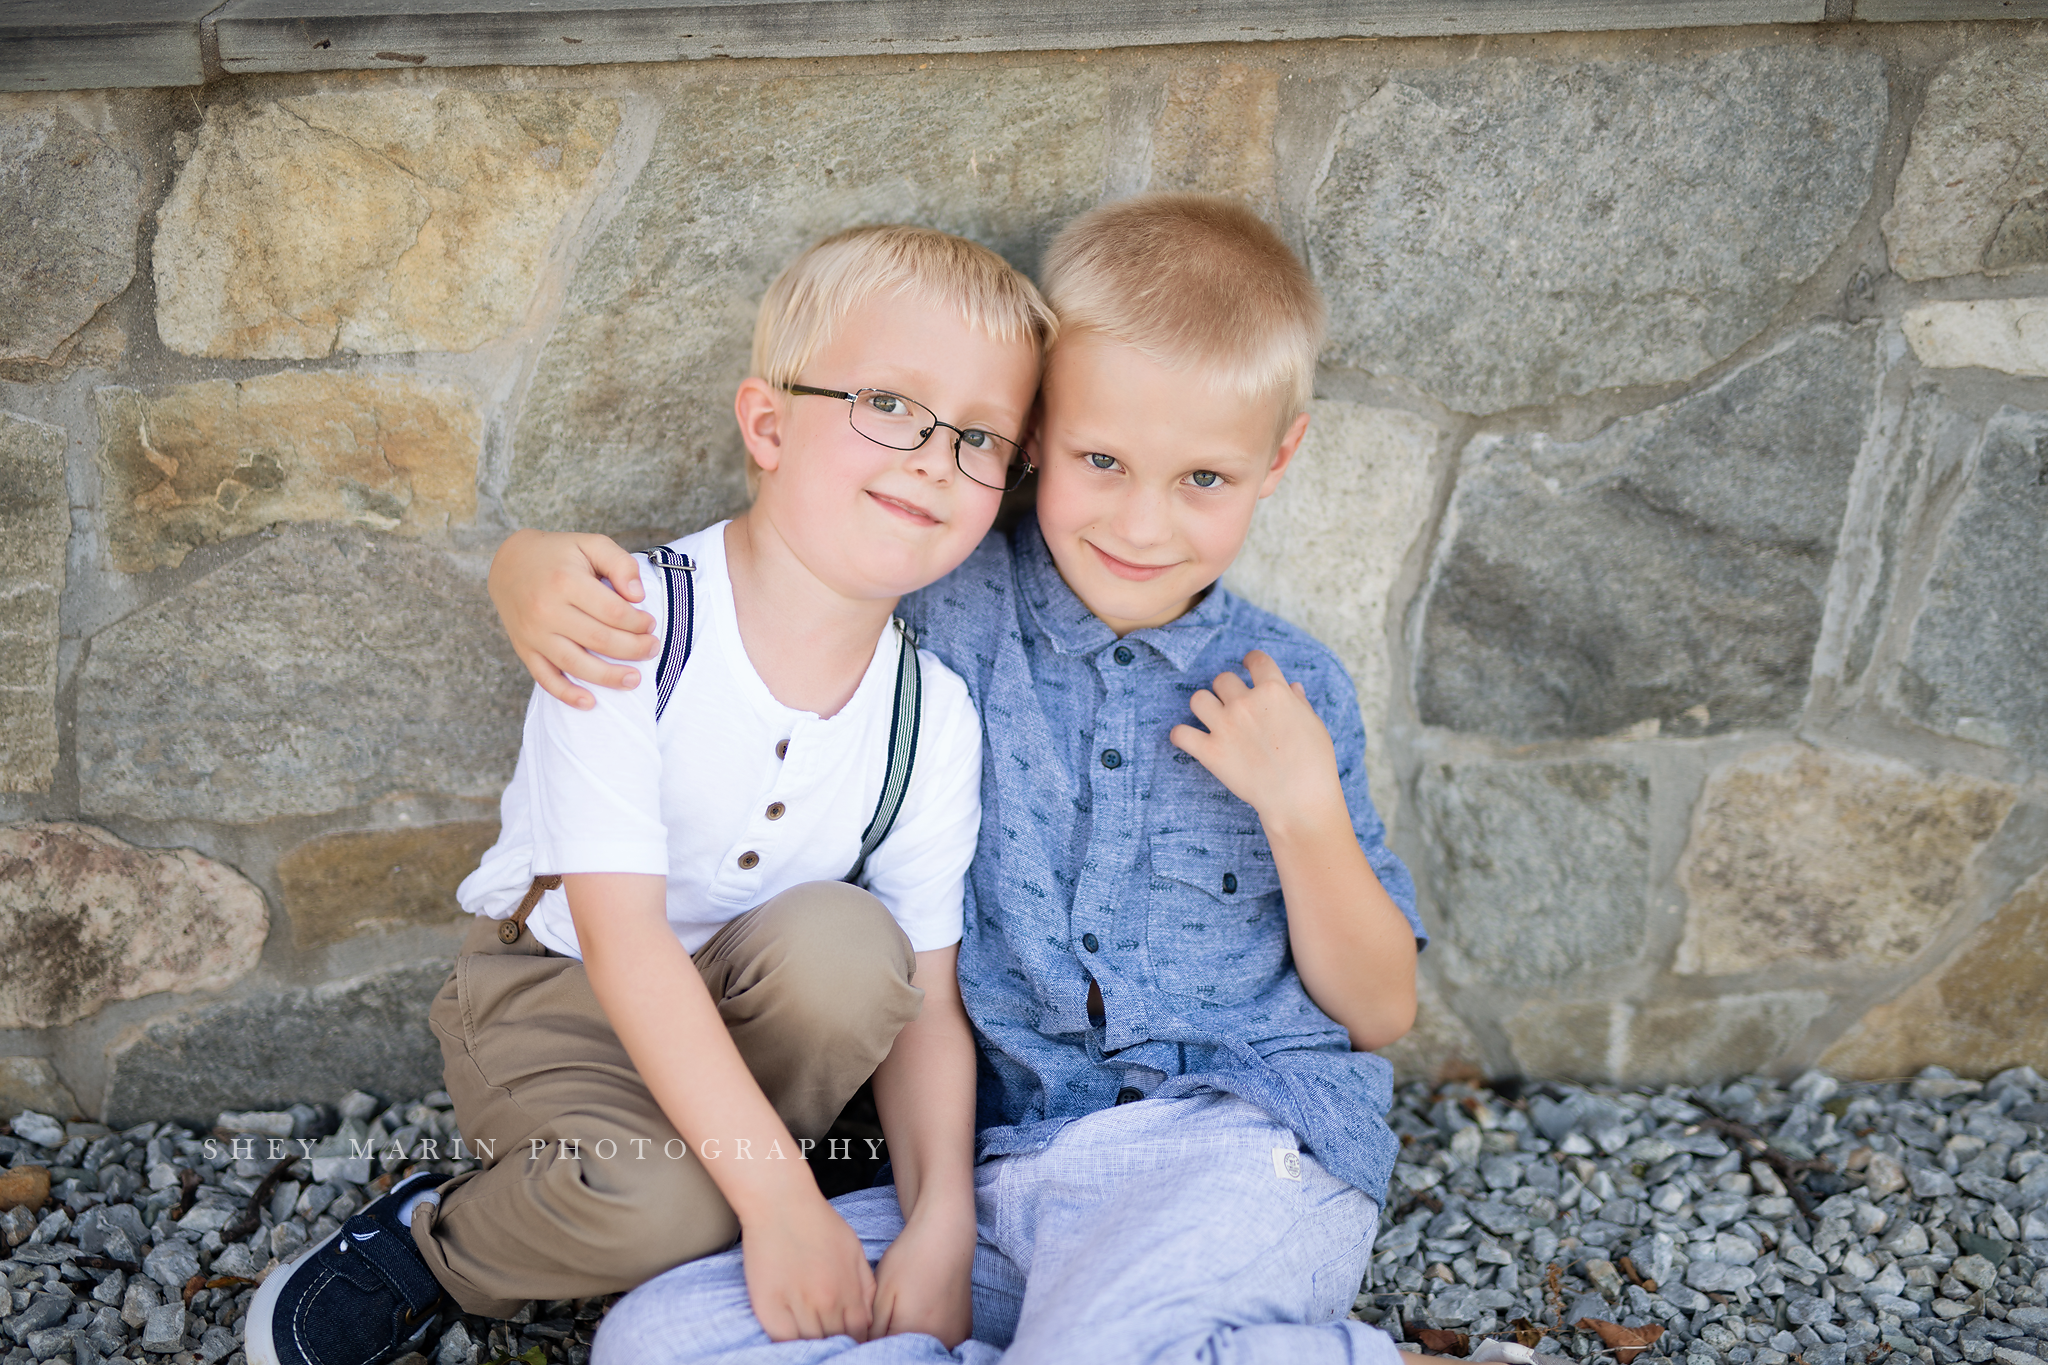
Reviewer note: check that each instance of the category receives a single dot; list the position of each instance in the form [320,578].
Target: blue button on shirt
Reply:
[1108,855]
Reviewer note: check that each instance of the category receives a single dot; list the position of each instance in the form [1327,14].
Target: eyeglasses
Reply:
[890,419]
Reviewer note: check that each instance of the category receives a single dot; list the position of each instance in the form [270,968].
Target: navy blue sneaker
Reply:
[362,1297]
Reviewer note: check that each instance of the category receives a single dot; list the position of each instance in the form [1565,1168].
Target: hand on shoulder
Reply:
[564,598]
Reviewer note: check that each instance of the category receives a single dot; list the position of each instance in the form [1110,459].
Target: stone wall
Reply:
[1677,492]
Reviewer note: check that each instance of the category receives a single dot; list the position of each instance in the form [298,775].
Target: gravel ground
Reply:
[1750,1224]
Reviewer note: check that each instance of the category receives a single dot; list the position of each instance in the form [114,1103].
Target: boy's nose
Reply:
[1141,518]
[933,459]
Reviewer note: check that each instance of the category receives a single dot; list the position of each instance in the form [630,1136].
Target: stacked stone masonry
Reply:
[1676,492]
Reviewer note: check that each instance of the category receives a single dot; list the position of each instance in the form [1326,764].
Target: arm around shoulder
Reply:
[563,599]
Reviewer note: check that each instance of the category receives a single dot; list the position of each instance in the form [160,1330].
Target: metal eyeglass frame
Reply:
[1025,471]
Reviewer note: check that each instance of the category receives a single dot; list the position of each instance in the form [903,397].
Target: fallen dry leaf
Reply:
[1628,1342]
[1439,1342]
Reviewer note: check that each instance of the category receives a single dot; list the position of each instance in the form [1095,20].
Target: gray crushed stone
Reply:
[1756,1223]
[100,1273]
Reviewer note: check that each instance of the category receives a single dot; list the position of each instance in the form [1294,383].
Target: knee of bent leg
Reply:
[838,949]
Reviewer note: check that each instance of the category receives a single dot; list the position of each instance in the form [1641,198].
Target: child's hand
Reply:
[1264,742]
[925,1281]
[558,610]
[807,1275]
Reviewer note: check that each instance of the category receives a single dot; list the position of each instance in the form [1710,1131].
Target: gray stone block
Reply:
[1538,870]
[32,1083]
[628,426]
[322,670]
[1978,654]
[100,44]
[1666,575]
[1506,231]
[35,523]
[269,1050]
[69,206]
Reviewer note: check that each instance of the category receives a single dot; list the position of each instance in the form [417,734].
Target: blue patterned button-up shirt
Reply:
[1107,854]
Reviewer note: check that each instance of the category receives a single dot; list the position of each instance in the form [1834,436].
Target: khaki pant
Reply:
[814,986]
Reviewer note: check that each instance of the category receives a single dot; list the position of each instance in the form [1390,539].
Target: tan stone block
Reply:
[1215,132]
[1326,549]
[86,919]
[1994,334]
[1805,855]
[371,221]
[373,881]
[35,525]
[1438,1040]
[1973,192]
[32,1083]
[1700,1040]
[205,462]
[1984,1009]
[1571,1041]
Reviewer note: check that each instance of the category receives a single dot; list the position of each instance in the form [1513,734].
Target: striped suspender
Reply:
[681,580]
[903,727]
[905,719]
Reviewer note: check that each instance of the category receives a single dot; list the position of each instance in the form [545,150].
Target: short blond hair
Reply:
[814,294]
[1195,282]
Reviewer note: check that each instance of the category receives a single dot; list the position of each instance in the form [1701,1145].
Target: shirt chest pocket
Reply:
[1214,925]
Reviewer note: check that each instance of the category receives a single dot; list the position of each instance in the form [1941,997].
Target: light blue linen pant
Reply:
[1188,1229]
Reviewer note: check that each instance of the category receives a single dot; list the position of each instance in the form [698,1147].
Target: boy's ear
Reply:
[759,410]
[1289,443]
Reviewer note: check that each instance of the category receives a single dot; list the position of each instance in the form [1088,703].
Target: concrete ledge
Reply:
[95,44]
[50,45]
[1900,11]
[327,35]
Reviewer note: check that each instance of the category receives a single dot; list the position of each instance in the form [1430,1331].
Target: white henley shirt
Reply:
[701,798]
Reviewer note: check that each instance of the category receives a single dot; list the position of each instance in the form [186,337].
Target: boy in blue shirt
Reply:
[1184,929]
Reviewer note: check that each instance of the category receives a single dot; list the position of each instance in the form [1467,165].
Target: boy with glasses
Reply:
[723,899]
[1184,928]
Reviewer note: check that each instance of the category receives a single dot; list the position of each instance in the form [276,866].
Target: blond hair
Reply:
[814,294]
[1193,281]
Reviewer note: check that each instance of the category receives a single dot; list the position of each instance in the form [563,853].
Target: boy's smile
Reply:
[1148,477]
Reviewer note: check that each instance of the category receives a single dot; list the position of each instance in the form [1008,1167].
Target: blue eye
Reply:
[1205,478]
[1102,461]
